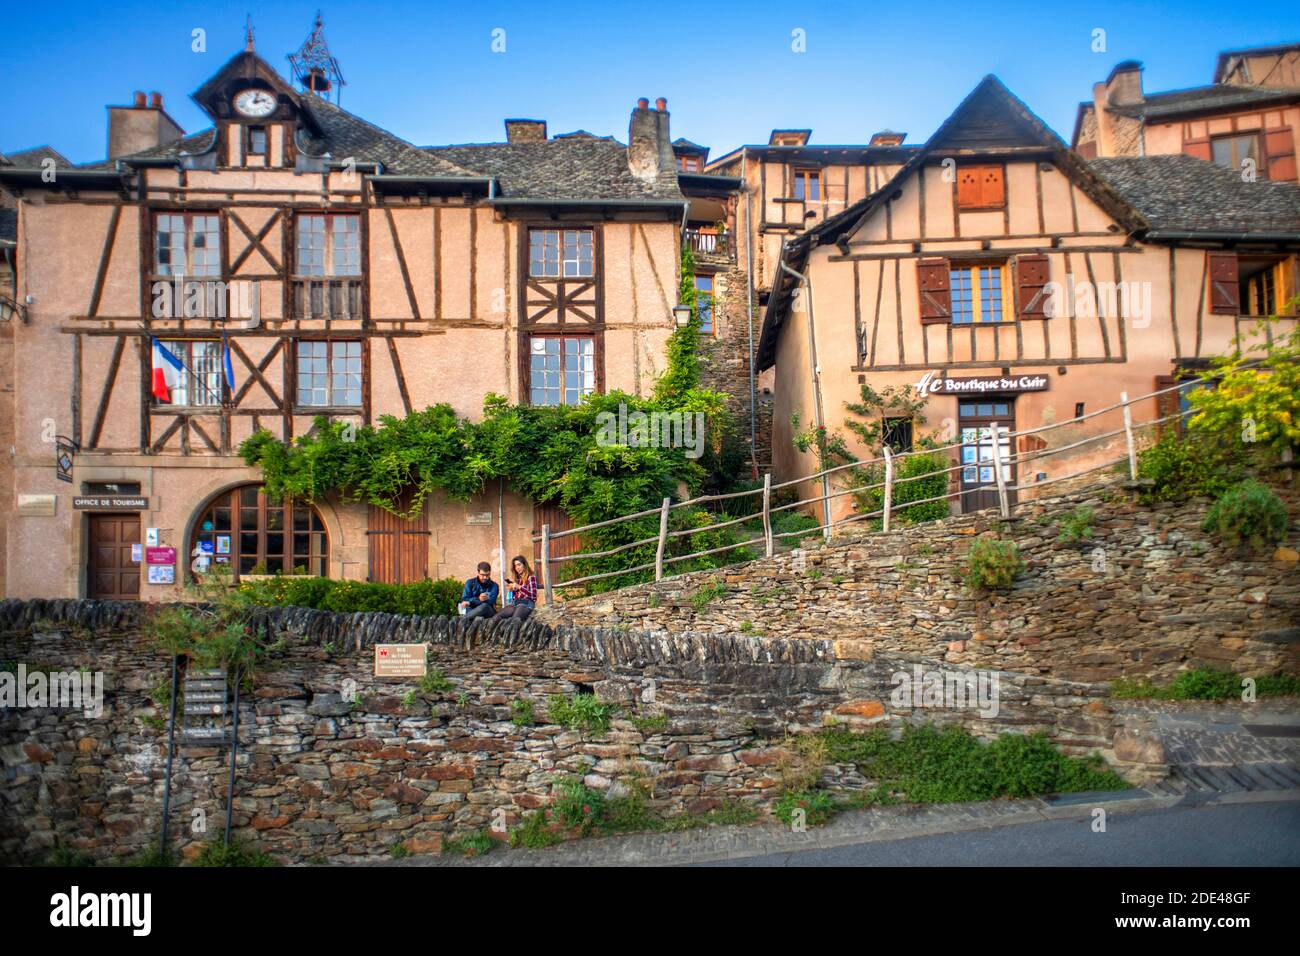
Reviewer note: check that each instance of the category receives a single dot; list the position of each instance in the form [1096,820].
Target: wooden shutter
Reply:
[398,547]
[1279,154]
[1166,404]
[1032,275]
[936,292]
[980,187]
[1225,297]
[993,188]
[1200,148]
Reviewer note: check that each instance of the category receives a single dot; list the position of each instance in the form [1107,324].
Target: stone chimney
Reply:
[142,125]
[525,131]
[1124,85]
[649,146]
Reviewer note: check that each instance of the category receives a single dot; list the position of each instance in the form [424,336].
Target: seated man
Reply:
[479,597]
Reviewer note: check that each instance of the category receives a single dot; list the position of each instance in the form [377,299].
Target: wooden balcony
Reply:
[709,243]
[322,297]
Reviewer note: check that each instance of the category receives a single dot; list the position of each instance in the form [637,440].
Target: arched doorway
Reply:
[253,534]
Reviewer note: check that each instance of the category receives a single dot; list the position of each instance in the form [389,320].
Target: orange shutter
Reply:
[1225,298]
[980,187]
[936,292]
[993,189]
[1279,154]
[1032,275]
[968,187]
[1200,148]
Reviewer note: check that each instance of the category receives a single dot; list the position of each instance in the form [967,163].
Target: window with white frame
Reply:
[561,253]
[561,369]
[198,381]
[329,245]
[187,244]
[329,374]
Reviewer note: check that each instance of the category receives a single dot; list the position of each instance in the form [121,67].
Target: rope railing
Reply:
[991,453]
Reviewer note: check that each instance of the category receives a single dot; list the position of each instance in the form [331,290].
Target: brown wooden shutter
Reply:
[1032,275]
[932,276]
[1166,404]
[1279,154]
[968,187]
[1200,148]
[1225,297]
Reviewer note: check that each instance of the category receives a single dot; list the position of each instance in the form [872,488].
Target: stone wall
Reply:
[1147,595]
[725,362]
[320,778]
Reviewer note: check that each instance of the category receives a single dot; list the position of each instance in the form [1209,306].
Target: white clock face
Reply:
[255,103]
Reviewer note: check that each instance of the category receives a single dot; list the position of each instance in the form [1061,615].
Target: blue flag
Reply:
[229,368]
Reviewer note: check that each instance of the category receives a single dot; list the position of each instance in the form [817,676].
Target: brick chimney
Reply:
[649,146]
[1124,85]
[525,131]
[142,125]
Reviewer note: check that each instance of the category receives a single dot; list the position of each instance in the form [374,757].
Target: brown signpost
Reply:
[401,660]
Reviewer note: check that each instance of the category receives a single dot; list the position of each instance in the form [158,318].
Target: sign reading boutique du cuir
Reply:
[932,383]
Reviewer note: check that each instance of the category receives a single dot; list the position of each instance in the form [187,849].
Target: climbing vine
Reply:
[549,454]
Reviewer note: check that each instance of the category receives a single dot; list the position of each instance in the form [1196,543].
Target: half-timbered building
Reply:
[292,261]
[1012,284]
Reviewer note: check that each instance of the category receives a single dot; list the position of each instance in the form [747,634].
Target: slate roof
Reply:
[34,157]
[565,167]
[1184,194]
[1217,96]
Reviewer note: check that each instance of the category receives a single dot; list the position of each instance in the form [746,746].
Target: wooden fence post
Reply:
[1128,437]
[889,487]
[767,514]
[663,539]
[546,562]
[1004,505]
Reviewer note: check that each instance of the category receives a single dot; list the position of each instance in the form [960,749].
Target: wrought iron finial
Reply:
[314,68]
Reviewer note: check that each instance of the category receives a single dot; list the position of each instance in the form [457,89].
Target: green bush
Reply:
[817,805]
[234,853]
[472,844]
[535,832]
[1076,526]
[1187,466]
[926,765]
[1247,513]
[424,598]
[581,712]
[577,805]
[916,478]
[991,564]
[1205,684]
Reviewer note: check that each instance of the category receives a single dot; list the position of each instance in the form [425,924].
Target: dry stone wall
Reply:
[323,778]
[1148,594]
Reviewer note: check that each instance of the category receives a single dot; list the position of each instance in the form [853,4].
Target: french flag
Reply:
[166,372]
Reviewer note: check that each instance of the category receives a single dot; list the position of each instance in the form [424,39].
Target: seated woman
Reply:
[522,586]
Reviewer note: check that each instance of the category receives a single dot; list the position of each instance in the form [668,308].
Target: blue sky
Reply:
[427,72]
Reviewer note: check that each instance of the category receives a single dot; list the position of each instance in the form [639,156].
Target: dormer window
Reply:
[257,141]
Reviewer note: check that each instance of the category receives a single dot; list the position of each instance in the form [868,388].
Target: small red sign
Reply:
[159,555]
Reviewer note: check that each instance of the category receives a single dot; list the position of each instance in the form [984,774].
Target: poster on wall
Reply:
[137,553]
[223,544]
[160,556]
[162,574]
[205,547]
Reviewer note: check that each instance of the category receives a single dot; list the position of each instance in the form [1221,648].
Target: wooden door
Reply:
[111,575]
[399,547]
[980,422]
[559,520]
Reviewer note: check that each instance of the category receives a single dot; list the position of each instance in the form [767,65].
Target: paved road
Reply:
[1248,834]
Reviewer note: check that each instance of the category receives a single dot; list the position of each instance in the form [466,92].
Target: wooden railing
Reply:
[327,298]
[890,463]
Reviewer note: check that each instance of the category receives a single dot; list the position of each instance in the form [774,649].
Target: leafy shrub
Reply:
[433,682]
[1186,467]
[1248,512]
[926,765]
[535,832]
[1076,526]
[1205,684]
[521,712]
[916,478]
[577,805]
[471,845]
[992,563]
[234,853]
[580,712]
[424,598]
[817,805]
